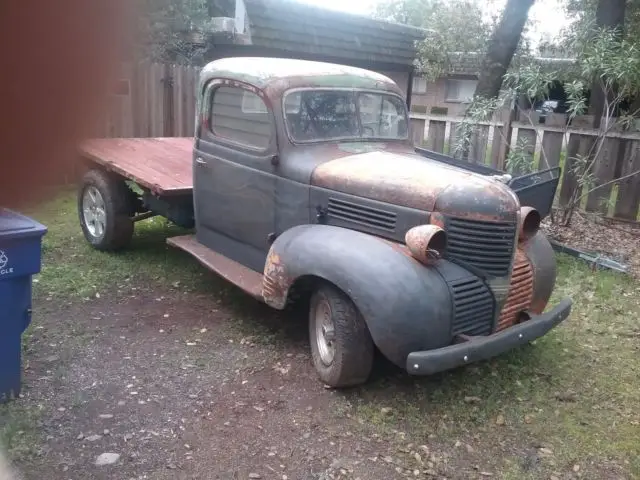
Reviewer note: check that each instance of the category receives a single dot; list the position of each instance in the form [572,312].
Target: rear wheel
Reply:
[341,346]
[105,211]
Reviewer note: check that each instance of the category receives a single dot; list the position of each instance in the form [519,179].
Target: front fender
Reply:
[406,305]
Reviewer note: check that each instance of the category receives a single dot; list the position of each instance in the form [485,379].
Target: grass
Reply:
[575,390]
[71,268]
[590,362]
[19,432]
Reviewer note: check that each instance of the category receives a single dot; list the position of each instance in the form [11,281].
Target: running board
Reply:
[230,270]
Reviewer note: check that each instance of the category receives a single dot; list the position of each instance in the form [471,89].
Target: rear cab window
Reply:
[240,116]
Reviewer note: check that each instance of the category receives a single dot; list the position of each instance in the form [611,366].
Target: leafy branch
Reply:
[614,63]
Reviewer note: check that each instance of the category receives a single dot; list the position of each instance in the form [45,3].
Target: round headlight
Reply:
[427,243]
[529,223]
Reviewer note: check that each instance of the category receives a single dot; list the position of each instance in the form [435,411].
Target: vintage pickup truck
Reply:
[302,183]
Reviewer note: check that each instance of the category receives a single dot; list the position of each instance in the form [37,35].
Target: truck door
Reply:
[234,181]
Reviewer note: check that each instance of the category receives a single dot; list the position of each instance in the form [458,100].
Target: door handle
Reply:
[200,161]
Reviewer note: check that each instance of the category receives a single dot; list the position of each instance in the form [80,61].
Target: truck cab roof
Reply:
[279,74]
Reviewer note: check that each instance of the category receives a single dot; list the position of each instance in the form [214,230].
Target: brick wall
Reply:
[435,97]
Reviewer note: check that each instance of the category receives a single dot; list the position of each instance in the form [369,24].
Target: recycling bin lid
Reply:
[14,225]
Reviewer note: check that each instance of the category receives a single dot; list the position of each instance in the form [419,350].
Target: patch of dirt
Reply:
[615,240]
[170,385]
[177,385]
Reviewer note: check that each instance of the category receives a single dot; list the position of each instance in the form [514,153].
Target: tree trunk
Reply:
[609,13]
[502,46]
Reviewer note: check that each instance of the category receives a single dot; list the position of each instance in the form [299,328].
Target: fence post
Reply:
[435,141]
[579,144]
[505,140]
[167,99]
[527,138]
[629,188]
[604,170]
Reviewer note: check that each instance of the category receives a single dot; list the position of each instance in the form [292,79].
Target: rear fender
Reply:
[406,306]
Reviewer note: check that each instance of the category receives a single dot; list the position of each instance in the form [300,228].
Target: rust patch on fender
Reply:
[275,282]
[520,292]
[438,220]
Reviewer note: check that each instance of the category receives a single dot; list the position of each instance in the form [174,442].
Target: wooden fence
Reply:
[619,157]
[154,100]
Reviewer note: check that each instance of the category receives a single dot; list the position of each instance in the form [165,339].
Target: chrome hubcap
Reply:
[93,211]
[325,332]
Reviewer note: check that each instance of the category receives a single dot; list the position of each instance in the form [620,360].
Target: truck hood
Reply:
[411,180]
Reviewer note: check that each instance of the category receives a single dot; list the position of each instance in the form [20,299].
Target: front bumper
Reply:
[482,348]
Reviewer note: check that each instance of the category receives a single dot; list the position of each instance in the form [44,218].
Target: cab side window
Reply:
[241,117]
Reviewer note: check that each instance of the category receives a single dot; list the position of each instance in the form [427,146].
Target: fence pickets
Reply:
[156,100]
[159,102]
[549,147]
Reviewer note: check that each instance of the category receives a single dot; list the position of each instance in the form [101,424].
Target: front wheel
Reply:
[341,345]
[104,210]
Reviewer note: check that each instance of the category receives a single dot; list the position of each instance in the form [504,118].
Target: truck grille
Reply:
[520,292]
[361,215]
[472,307]
[488,246]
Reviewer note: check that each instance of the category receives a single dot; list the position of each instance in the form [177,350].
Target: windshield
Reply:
[320,115]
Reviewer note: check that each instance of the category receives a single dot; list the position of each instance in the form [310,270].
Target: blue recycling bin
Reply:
[20,256]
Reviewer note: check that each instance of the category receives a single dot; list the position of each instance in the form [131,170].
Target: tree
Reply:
[408,12]
[587,16]
[167,29]
[453,26]
[502,46]
[608,57]
[584,15]
[609,14]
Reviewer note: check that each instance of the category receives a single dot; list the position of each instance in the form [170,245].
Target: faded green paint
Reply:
[345,81]
[262,72]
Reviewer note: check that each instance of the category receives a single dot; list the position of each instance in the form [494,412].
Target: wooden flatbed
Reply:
[162,164]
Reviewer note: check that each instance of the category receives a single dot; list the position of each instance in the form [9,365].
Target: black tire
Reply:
[116,196]
[353,347]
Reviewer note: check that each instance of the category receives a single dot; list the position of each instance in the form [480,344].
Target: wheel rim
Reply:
[325,332]
[93,211]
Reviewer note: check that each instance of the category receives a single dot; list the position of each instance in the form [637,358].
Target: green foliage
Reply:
[610,58]
[168,28]
[454,26]
[520,159]
[531,80]
[583,16]
[613,60]
[480,109]
[576,98]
